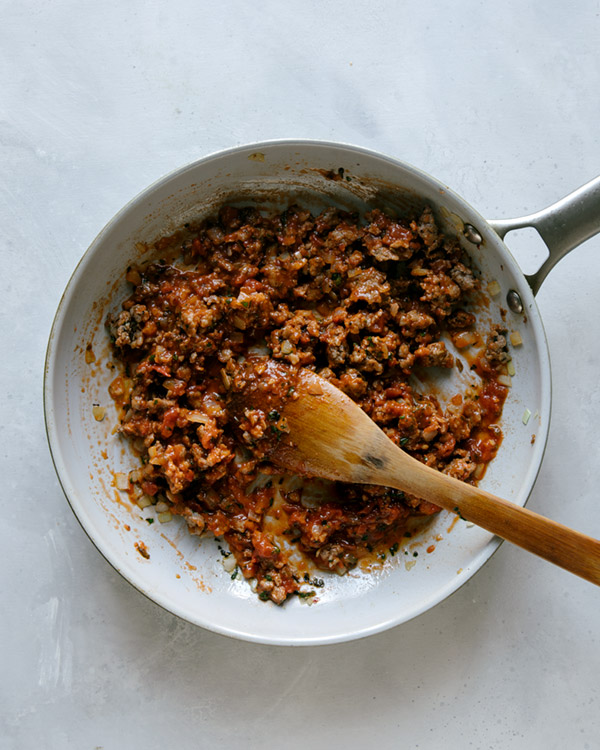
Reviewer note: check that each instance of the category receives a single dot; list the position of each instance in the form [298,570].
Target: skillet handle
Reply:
[563,225]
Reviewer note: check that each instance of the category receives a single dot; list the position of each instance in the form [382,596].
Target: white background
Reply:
[98,99]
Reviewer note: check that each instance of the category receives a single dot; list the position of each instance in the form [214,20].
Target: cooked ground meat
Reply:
[496,347]
[364,304]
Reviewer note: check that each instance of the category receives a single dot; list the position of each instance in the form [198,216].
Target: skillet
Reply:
[188,578]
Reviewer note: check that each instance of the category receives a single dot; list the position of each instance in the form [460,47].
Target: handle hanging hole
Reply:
[528,248]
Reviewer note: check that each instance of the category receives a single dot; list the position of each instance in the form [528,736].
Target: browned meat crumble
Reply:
[365,304]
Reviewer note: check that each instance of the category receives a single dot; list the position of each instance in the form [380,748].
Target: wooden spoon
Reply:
[331,437]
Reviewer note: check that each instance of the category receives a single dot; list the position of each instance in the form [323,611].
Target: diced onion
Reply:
[505,380]
[133,277]
[121,481]
[197,416]
[479,469]
[144,501]
[139,445]
[464,339]
[493,288]
[154,455]
[510,368]
[526,416]
[162,506]
[515,338]
[229,563]
[286,347]
[258,350]
[135,492]
[99,413]
[165,517]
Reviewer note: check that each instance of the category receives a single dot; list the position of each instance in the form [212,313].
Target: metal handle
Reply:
[562,226]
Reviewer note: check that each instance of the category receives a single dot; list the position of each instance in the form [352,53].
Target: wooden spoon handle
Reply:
[333,438]
[571,550]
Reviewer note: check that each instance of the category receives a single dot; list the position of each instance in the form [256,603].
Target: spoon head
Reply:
[311,427]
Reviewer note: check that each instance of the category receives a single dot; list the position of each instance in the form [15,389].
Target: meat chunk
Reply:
[434,355]
[428,231]
[496,347]
[127,328]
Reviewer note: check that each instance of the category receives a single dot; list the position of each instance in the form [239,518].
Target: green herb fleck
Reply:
[458,513]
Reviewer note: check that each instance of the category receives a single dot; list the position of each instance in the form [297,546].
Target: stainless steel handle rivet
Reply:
[472,234]
[514,302]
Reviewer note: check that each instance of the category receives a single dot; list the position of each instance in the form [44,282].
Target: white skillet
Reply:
[186,576]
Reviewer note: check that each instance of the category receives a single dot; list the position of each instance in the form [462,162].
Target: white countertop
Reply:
[99,99]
